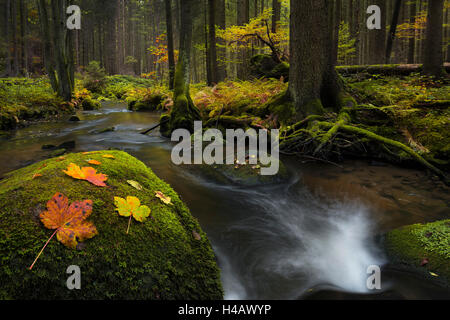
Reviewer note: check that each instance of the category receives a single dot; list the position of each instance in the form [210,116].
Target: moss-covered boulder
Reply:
[242,175]
[423,246]
[90,104]
[264,66]
[149,104]
[167,256]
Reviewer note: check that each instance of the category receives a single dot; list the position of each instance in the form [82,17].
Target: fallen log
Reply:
[385,69]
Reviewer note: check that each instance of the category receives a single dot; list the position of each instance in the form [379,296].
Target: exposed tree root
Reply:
[326,139]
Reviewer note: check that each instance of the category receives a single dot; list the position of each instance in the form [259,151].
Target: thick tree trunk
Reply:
[393,30]
[432,52]
[243,17]
[313,80]
[170,46]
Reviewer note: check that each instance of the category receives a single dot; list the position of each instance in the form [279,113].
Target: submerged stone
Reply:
[159,258]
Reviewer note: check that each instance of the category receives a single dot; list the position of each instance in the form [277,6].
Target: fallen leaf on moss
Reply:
[196,235]
[90,152]
[108,156]
[36,175]
[86,173]
[94,162]
[68,221]
[164,198]
[135,184]
[131,207]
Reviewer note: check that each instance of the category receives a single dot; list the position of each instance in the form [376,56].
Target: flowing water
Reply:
[311,238]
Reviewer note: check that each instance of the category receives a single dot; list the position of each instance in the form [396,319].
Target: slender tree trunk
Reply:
[170,47]
[412,40]
[184,112]
[393,30]
[433,56]
[221,51]
[276,17]
[8,70]
[212,42]
[377,39]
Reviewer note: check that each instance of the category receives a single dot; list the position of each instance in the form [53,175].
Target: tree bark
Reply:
[433,56]
[276,17]
[184,112]
[412,40]
[212,42]
[377,38]
[221,51]
[170,46]
[313,80]
[393,30]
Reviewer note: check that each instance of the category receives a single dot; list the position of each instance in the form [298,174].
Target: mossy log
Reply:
[161,258]
[386,70]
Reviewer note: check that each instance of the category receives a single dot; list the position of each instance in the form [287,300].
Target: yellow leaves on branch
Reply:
[69,222]
[86,173]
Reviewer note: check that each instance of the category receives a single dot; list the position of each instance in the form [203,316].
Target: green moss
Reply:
[159,259]
[412,244]
[90,104]
[314,107]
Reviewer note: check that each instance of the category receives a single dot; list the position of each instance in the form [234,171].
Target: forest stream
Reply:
[312,238]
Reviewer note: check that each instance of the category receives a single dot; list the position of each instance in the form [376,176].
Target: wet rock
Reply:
[74,119]
[67,145]
[48,147]
[110,129]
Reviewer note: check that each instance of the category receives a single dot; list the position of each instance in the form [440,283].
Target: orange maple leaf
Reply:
[68,221]
[86,173]
[94,162]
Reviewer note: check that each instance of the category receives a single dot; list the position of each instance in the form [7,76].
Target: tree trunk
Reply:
[212,42]
[221,51]
[412,40]
[393,30]
[433,56]
[170,47]
[313,80]
[7,38]
[377,38]
[276,17]
[243,17]
[183,113]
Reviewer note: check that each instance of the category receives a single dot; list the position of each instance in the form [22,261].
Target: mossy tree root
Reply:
[385,141]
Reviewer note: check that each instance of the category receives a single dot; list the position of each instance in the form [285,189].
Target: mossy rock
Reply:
[264,66]
[89,104]
[410,245]
[242,175]
[159,259]
[153,103]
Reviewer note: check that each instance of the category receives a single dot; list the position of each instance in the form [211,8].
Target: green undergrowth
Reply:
[161,258]
[23,99]
[425,246]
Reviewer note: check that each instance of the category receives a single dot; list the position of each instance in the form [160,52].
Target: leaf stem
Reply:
[129,222]
[31,267]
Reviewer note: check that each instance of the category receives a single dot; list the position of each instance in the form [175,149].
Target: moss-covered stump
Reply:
[424,246]
[167,256]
